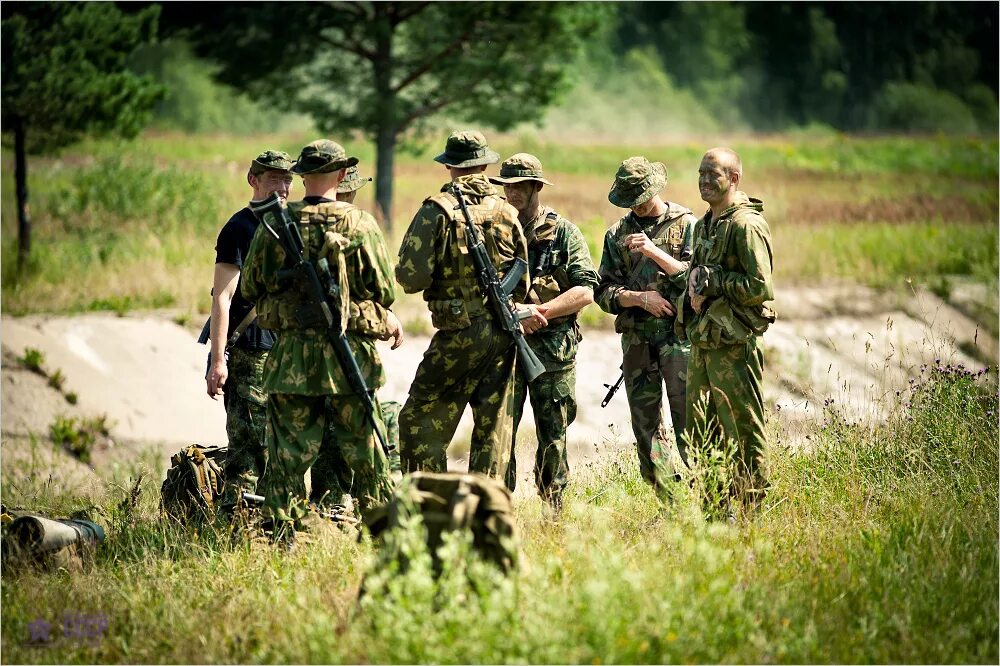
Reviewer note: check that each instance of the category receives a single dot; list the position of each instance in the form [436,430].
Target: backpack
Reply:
[453,501]
[194,481]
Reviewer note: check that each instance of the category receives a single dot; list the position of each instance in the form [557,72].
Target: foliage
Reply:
[65,74]
[78,435]
[33,360]
[912,107]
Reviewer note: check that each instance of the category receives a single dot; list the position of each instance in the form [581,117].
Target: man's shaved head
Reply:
[727,159]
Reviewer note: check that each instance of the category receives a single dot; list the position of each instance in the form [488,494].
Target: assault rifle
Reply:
[323,288]
[498,291]
[613,388]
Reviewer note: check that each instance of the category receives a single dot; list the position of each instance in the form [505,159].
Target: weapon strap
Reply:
[242,326]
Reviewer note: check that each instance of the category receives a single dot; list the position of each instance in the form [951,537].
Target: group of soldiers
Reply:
[689,298]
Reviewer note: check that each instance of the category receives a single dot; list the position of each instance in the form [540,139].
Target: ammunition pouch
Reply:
[369,318]
[455,314]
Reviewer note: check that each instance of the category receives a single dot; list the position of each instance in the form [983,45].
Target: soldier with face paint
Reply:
[563,279]
[724,313]
[643,268]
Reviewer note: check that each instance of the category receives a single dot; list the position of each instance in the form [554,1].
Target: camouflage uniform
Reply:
[732,268]
[470,359]
[307,390]
[558,259]
[244,398]
[653,356]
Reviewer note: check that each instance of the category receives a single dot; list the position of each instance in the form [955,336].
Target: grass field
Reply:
[123,226]
[877,546]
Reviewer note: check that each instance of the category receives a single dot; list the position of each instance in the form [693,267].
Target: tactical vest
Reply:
[547,268]
[454,297]
[326,232]
[669,237]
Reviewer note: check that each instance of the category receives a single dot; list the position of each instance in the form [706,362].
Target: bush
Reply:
[914,108]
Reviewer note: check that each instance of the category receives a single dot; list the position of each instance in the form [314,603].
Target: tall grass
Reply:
[879,544]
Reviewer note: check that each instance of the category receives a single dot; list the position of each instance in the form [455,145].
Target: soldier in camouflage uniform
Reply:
[236,371]
[348,188]
[644,267]
[563,279]
[307,389]
[470,359]
[724,312]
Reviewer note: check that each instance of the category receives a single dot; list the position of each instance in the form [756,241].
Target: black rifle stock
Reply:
[613,388]
[498,291]
[322,286]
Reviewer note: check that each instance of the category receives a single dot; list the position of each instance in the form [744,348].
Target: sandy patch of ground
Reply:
[145,372]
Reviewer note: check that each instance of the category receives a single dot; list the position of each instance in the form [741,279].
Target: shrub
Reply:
[914,108]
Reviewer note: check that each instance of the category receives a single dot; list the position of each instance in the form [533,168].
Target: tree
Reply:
[64,76]
[385,68]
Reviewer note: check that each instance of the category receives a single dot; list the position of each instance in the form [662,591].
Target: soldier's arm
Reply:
[611,276]
[679,278]
[581,273]
[226,277]
[751,283]
[415,269]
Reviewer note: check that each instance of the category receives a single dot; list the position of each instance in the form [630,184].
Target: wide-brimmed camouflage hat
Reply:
[518,168]
[270,160]
[467,149]
[352,181]
[322,156]
[638,180]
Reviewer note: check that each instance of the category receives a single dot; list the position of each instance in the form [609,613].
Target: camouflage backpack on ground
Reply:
[194,481]
[454,501]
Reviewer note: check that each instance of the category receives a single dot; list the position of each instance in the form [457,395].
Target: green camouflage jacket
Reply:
[302,361]
[559,259]
[433,256]
[736,250]
[673,233]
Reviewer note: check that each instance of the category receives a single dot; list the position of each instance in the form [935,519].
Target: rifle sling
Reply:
[250,318]
[643,258]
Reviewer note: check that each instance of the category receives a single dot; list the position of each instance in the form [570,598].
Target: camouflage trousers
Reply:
[472,366]
[648,366]
[246,422]
[332,477]
[553,401]
[299,427]
[731,378]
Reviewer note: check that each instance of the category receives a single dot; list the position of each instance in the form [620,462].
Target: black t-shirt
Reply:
[231,248]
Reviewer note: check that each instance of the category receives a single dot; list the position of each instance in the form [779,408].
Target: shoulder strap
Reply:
[250,318]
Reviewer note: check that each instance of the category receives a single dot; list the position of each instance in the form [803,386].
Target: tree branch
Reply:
[412,9]
[350,46]
[422,111]
[430,62]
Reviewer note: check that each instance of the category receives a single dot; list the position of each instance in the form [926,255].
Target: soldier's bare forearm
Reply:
[569,302]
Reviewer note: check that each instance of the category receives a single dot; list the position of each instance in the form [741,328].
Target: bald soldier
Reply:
[643,267]
[724,313]
[470,360]
[308,391]
[563,279]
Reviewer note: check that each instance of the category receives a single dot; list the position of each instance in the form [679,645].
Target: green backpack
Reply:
[194,482]
[453,501]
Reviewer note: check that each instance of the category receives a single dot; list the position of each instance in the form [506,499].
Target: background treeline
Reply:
[690,67]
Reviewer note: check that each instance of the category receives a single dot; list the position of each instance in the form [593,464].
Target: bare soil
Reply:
[145,373]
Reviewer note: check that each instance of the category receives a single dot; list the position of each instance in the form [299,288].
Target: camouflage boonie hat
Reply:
[638,180]
[352,181]
[322,156]
[467,149]
[270,160]
[518,168]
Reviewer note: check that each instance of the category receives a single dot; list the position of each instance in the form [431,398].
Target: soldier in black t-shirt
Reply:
[235,371]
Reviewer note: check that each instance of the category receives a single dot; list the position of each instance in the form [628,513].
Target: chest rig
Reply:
[454,297]
[546,260]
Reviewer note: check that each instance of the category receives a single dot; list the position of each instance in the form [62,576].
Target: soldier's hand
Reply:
[535,322]
[641,243]
[395,329]
[656,305]
[216,379]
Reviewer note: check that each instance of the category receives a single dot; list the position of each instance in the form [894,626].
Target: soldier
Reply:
[563,279]
[729,282]
[348,188]
[235,371]
[643,267]
[307,389]
[470,359]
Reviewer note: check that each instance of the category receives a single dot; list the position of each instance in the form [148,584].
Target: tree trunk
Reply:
[385,100]
[21,185]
